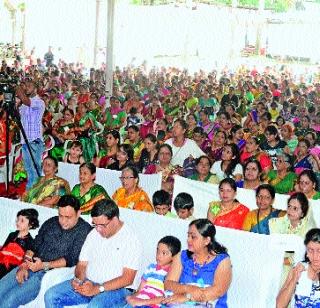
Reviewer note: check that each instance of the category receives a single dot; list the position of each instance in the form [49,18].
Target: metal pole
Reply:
[95,51]
[109,56]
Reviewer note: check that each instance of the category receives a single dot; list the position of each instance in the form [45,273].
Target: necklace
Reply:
[198,266]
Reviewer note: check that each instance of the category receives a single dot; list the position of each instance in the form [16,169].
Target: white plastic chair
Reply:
[14,153]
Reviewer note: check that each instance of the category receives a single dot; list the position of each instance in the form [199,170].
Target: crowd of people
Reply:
[250,129]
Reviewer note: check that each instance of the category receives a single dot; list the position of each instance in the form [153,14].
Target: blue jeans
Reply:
[12,294]
[63,294]
[37,149]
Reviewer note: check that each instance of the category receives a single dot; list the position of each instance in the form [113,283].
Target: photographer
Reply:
[31,109]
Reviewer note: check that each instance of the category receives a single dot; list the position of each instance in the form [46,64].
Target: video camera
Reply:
[8,84]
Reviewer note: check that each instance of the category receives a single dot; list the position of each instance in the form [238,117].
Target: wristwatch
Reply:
[189,297]
[101,288]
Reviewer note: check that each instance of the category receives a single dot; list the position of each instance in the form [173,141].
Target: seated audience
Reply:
[149,154]
[218,142]
[303,159]
[257,220]
[228,212]
[130,195]
[57,244]
[307,183]
[18,242]
[161,201]
[282,179]
[203,173]
[107,266]
[302,284]
[87,191]
[151,289]
[135,141]
[124,158]
[202,274]
[184,206]
[229,166]
[252,173]
[74,154]
[48,188]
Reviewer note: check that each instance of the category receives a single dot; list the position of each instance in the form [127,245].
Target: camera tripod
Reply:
[8,106]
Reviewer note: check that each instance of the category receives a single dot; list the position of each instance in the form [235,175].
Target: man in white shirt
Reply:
[108,262]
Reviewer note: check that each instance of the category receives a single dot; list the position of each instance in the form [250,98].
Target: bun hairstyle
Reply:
[206,228]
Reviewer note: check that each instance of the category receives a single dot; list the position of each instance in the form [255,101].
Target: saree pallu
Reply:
[88,200]
[43,189]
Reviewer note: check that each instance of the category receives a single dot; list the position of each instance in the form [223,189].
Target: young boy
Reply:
[183,204]
[151,290]
[162,202]
[74,156]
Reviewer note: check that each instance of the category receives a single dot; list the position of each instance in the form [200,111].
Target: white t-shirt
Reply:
[107,257]
[190,148]
[216,169]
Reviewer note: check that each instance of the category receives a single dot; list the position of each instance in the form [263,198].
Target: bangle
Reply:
[77,280]
[46,266]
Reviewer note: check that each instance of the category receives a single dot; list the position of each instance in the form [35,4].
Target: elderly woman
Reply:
[88,192]
[308,184]
[203,173]
[302,284]
[130,195]
[228,212]
[252,175]
[49,188]
[257,221]
[282,179]
[202,274]
[165,167]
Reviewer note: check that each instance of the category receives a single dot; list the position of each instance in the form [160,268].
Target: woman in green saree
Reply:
[88,192]
[49,188]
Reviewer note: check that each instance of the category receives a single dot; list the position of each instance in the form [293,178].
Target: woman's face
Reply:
[285,134]
[67,115]
[270,137]
[49,167]
[164,156]
[85,176]
[302,148]
[127,179]
[219,139]
[294,211]
[305,122]
[223,120]
[133,136]
[203,167]
[111,141]
[196,242]
[309,137]
[226,193]
[122,155]
[281,163]
[251,172]
[149,145]
[191,121]
[178,130]
[161,125]
[251,146]
[22,223]
[313,254]
[227,154]
[203,117]
[264,199]
[239,134]
[306,185]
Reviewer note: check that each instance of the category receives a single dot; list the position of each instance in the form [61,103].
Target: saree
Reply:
[233,219]
[138,200]
[282,186]
[43,189]
[88,138]
[251,223]
[88,200]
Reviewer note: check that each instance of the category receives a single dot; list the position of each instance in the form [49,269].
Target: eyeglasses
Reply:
[101,225]
[261,197]
[122,178]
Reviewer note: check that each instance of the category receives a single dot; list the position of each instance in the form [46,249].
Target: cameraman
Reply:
[31,109]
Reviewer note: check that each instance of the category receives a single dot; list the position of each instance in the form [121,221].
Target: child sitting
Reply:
[74,156]
[161,200]
[18,242]
[183,204]
[151,290]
